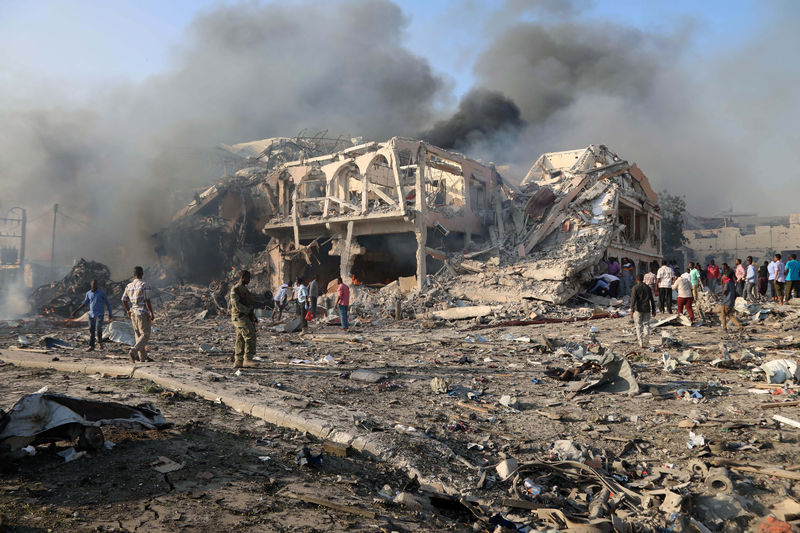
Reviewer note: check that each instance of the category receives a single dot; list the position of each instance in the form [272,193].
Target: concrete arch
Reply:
[365,161]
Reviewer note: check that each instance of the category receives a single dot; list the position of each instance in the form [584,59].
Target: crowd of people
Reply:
[137,303]
[774,281]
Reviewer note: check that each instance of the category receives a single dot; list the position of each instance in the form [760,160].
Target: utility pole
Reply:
[22,241]
[53,247]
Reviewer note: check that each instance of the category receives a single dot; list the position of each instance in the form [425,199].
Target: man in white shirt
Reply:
[780,279]
[280,300]
[750,280]
[665,277]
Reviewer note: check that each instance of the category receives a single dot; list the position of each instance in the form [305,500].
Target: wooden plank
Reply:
[329,504]
[477,408]
[767,470]
[787,421]
[770,405]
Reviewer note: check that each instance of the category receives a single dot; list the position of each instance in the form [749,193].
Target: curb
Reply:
[327,422]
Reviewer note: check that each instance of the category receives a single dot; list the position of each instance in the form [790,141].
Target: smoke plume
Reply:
[121,165]
[482,115]
[716,126]
[698,125]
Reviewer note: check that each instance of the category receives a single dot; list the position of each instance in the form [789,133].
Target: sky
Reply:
[109,108]
[78,45]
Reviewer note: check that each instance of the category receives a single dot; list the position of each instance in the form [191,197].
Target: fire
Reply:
[356,281]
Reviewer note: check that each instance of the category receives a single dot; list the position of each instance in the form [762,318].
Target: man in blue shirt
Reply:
[792,277]
[98,302]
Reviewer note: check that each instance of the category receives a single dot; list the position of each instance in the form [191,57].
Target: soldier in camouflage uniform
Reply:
[244,319]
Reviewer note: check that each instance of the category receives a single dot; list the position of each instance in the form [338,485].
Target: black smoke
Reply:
[481,115]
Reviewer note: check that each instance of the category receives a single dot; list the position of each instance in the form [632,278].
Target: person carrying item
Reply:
[243,316]
[136,300]
[98,302]
[642,304]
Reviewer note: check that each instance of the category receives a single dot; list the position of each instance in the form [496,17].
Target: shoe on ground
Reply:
[100,346]
[90,349]
[248,363]
[237,364]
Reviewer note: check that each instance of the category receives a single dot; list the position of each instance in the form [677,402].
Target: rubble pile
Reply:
[566,218]
[62,297]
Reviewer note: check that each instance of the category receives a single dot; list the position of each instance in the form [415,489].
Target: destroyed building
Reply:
[572,210]
[404,209]
[380,211]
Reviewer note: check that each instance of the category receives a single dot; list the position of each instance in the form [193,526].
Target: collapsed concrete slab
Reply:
[572,210]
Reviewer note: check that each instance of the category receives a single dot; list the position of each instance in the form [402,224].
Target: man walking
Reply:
[792,277]
[343,302]
[665,276]
[243,315]
[780,278]
[771,281]
[651,280]
[627,277]
[713,275]
[98,302]
[642,304]
[313,294]
[301,292]
[750,280]
[685,298]
[136,300]
[740,275]
[694,279]
[726,311]
[763,279]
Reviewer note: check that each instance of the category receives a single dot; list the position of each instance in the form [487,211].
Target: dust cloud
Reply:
[713,127]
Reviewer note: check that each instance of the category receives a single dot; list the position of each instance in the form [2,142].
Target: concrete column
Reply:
[422,240]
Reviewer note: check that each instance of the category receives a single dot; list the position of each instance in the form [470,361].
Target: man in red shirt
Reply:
[343,302]
[713,276]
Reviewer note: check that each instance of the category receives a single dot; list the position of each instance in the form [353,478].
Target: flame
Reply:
[357,281]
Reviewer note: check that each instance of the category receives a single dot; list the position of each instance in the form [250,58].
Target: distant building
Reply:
[729,236]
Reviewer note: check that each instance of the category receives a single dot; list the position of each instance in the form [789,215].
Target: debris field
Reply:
[521,437]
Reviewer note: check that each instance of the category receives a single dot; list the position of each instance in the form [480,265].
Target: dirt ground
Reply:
[224,485]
